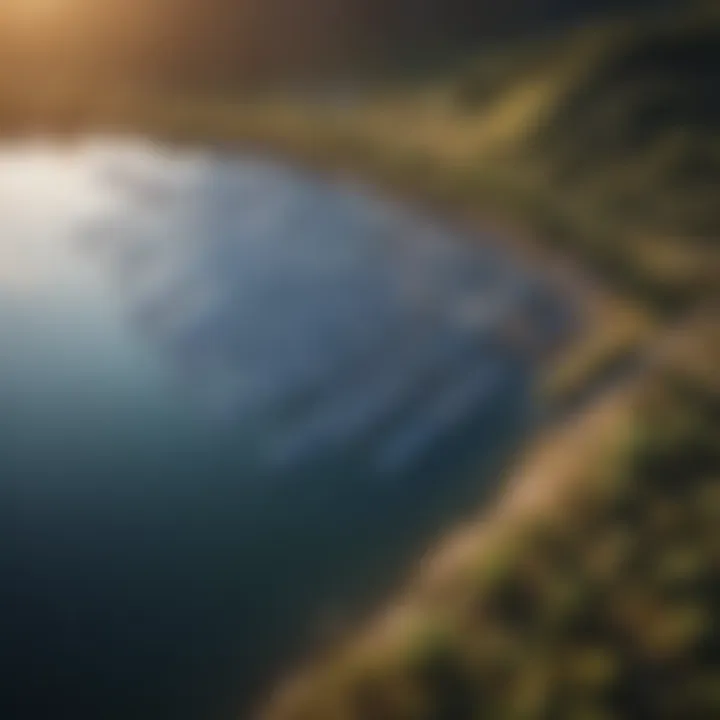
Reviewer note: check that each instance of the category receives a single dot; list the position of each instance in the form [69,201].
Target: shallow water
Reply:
[234,400]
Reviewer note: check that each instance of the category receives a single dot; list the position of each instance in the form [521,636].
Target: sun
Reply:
[41,6]
[30,17]
[39,10]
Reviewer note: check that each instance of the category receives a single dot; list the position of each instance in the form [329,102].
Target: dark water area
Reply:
[234,402]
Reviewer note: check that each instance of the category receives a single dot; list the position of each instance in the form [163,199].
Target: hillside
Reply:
[227,45]
[589,588]
[605,140]
[589,591]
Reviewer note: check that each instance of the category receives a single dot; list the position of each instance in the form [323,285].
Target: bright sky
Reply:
[40,14]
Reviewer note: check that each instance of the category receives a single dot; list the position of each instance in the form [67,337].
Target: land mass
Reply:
[589,588]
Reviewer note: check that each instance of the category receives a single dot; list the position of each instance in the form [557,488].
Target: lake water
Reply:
[234,400]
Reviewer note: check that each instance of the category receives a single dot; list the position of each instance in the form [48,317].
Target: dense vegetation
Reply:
[604,140]
[590,589]
[590,592]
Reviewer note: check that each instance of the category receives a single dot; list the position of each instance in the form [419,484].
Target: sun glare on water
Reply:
[44,197]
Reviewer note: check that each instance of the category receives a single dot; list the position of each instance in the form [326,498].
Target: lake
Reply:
[235,400]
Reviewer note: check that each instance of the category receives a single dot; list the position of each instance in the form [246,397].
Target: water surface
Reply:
[234,400]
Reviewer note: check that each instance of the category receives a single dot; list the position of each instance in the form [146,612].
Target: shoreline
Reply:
[611,324]
[607,326]
[397,609]
[592,565]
